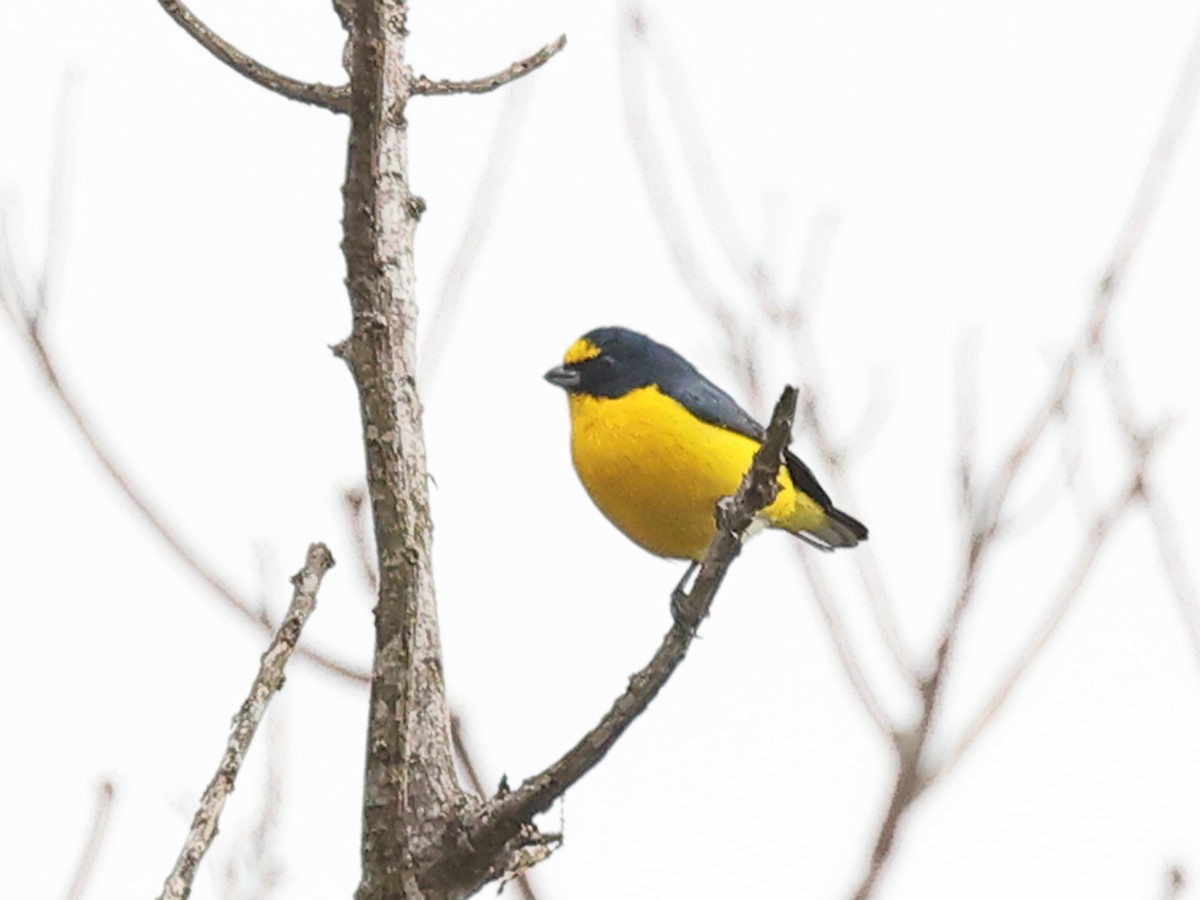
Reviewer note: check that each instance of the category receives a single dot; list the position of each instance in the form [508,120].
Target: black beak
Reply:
[567,379]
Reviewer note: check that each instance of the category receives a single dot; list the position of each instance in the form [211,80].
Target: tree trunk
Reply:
[412,798]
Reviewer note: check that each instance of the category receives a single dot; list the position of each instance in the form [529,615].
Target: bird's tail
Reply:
[839,530]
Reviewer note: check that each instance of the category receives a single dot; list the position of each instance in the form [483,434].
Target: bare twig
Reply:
[27,317]
[984,502]
[60,185]
[464,756]
[334,99]
[1182,582]
[255,856]
[662,202]
[355,500]
[267,682]
[467,761]
[1162,520]
[87,859]
[1174,883]
[833,456]
[266,830]
[12,299]
[966,381]
[1149,191]
[836,628]
[423,85]
[706,183]
[156,519]
[915,772]
[499,832]
[1068,592]
[479,220]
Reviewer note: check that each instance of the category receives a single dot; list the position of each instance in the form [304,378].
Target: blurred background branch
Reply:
[984,499]
[95,840]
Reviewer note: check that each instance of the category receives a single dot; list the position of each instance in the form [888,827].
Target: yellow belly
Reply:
[656,471]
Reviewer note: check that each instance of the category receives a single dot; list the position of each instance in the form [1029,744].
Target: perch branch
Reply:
[467,761]
[334,99]
[493,833]
[423,85]
[266,683]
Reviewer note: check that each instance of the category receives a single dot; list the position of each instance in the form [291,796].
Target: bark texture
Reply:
[411,796]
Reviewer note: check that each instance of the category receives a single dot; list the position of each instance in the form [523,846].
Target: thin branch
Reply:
[28,318]
[967,394]
[60,184]
[334,99]
[714,202]
[91,848]
[479,220]
[267,682]
[706,184]
[157,521]
[1149,191]
[423,85]
[497,833]
[687,262]
[1174,882]
[467,761]
[836,630]
[12,299]
[263,848]
[914,771]
[1182,582]
[870,420]
[355,500]
[913,776]
[662,203]
[1145,204]
[1070,589]
[464,756]
[834,459]
[1162,520]
[814,263]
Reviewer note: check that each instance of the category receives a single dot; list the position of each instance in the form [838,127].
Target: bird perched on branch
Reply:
[656,445]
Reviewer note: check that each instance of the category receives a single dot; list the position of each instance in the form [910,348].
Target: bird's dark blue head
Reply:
[611,362]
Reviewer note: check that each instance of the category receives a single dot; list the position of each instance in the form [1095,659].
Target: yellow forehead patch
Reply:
[580,351]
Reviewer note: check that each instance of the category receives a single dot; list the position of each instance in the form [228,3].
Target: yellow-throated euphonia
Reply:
[656,445]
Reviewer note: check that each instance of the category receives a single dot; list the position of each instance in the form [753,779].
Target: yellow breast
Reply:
[656,471]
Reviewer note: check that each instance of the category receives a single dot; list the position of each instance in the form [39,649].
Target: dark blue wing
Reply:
[709,403]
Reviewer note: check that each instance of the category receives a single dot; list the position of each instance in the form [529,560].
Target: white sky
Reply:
[979,158]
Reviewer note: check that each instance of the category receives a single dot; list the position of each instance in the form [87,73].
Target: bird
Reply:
[657,445]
